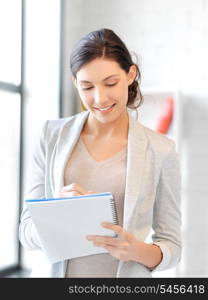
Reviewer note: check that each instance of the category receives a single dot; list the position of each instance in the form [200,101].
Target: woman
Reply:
[104,149]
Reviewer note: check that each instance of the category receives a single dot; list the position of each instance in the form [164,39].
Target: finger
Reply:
[108,241]
[119,230]
[90,192]
[104,246]
[116,245]
[74,187]
[70,194]
[101,239]
[98,236]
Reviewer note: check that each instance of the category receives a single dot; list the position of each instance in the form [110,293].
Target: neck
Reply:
[115,129]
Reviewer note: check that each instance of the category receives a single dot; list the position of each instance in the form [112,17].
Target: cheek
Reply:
[122,94]
[86,97]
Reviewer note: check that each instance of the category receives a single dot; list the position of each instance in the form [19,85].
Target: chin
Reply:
[108,119]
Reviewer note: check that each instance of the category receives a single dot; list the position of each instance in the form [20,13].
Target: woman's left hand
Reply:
[124,247]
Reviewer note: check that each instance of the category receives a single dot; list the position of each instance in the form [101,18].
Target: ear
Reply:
[74,80]
[132,74]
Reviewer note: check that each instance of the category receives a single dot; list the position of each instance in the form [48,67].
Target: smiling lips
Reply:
[107,108]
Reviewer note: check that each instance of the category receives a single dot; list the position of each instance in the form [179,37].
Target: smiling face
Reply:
[103,88]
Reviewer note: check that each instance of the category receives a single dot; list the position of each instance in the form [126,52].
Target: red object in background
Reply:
[166,116]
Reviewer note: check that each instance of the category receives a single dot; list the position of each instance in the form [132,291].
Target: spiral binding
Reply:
[114,211]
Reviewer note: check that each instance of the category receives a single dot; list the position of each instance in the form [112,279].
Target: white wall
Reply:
[169,36]
[73,24]
[195,158]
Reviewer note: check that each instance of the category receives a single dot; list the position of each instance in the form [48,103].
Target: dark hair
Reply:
[105,43]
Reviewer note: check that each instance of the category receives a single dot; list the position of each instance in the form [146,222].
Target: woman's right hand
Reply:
[73,189]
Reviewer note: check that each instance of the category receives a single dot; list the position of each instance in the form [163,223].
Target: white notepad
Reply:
[63,223]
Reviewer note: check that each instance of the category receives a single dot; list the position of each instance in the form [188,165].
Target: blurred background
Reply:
[170,39]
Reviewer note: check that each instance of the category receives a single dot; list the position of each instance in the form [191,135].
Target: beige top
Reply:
[105,176]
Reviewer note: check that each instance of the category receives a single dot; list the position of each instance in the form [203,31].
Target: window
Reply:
[9,177]
[10,112]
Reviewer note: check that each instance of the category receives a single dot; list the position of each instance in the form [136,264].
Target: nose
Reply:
[100,97]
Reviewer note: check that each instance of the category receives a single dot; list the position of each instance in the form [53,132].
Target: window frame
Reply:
[18,89]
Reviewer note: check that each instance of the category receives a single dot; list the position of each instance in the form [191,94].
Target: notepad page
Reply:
[63,225]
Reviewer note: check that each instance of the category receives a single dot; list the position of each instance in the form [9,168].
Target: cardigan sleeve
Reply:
[28,235]
[166,212]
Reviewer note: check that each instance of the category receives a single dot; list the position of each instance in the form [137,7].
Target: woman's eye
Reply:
[111,84]
[84,89]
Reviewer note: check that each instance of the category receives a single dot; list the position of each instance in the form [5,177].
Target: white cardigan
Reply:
[152,193]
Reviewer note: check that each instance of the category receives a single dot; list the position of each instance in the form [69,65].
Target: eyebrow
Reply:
[85,81]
